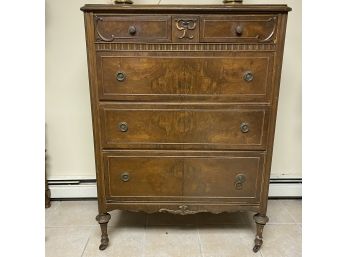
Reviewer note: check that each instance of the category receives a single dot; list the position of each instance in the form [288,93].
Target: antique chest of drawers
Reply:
[184,103]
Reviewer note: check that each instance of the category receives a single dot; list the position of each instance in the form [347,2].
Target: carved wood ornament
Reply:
[185,26]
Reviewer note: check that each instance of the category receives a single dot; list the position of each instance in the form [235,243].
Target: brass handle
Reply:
[239,30]
[132,30]
[244,127]
[248,76]
[239,180]
[120,76]
[125,176]
[123,126]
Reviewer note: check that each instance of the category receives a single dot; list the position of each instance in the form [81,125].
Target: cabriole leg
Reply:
[260,221]
[103,220]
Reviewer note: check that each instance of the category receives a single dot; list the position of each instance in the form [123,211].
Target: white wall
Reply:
[69,137]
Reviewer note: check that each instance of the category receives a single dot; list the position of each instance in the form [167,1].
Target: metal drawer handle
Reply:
[239,180]
[125,176]
[132,30]
[239,30]
[244,127]
[123,126]
[120,76]
[248,76]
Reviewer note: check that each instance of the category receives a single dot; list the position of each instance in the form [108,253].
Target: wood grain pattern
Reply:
[205,76]
[148,176]
[156,126]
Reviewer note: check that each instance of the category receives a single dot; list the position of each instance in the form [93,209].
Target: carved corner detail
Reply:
[99,35]
[270,36]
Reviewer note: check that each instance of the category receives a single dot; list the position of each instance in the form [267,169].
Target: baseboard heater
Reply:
[87,189]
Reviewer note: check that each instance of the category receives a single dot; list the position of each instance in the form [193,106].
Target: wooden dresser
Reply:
[184,102]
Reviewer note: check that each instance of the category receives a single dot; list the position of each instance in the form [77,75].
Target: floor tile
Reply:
[283,240]
[159,219]
[221,218]
[66,242]
[124,242]
[72,213]
[227,241]
[161,241]
[276,212]
[294,207]
[171,219]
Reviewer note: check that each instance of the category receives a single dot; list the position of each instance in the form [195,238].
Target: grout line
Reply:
[84,249]
[200,242]
[71,226]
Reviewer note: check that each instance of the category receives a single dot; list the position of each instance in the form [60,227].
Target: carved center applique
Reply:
[185,26]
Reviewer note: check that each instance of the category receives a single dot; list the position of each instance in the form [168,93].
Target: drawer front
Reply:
[228,178]
[132,28]
[184,176]
[168,126]
[239,28]
[239,77]
[127,176]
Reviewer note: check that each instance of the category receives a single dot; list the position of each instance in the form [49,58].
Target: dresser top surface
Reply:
[237,8]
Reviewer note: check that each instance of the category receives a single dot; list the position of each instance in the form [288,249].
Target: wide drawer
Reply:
[241,77]
[183,176]
[126,28]
[168,126]
[239,28]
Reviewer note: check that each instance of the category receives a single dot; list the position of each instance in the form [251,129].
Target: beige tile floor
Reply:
[71,231]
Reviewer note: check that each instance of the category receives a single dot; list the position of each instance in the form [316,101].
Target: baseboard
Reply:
[72,189]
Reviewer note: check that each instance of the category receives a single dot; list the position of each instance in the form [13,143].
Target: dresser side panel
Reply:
[93,87]
[282,19]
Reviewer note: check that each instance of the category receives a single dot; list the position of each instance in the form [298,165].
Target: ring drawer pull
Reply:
[239,181]
[132,30]
[123,126]
[120,76]
[244,127]
[125,176]
[248,76]
[239,30]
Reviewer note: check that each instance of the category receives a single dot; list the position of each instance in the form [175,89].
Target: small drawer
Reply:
[242,77]
[239,28]
[161,126]
[110,28]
